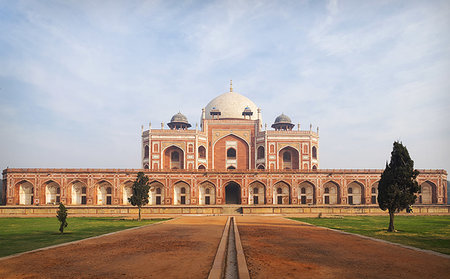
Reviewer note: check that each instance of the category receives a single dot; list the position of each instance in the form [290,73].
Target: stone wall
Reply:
[34,186]
[130,211]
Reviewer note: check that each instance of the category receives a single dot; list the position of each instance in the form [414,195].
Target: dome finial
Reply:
[231,85]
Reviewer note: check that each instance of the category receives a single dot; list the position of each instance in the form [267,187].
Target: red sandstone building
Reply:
[230,159]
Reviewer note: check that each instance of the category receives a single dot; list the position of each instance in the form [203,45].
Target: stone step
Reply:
[232,210]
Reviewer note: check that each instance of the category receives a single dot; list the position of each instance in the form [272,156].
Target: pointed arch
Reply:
[260,154]
[231,134]
[257,192]
[104,192]
[182,193]
[78,191]
[427,193]
[26,192]
[156,193]
[201,167]
[207,193]
[288,158]
[374,193]
[355,192]
[331,192]
[231,153]
[173,158]
[52,192]
[201,152]
[282,193]
[127,191]
[146,151]
[233,192]
[306,192]
[223,145]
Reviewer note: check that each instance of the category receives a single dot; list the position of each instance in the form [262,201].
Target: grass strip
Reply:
[24,234]
[425,232]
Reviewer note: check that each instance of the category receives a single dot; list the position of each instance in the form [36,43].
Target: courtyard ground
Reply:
[185,247]
[282,248]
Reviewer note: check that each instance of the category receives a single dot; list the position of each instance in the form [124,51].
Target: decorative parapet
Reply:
[213,171]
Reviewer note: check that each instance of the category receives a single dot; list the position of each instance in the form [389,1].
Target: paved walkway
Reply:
[281,248]
[185,248]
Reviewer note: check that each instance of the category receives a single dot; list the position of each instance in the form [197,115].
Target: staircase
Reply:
[231,210]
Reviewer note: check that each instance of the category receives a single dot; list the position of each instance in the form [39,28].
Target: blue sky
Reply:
[79,78]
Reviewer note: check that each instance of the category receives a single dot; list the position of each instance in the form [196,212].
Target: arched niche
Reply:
[355,193]
[173,158]
[331,193]
[104,193]
[52,192]
[156,193]
[257,193]
[232,193]
[182,193]
[288,158]
[281,193]
[306,193]
[79,192]
[207,193]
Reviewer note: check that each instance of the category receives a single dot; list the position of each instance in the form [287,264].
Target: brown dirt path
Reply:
[280,248]
[181,248]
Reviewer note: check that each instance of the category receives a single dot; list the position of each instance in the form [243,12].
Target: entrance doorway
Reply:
[233,193]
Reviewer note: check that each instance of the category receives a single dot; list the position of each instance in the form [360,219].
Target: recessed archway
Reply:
[173,158]
[52,192]
[288,158]
[306,193]
[79,192]
[156,193]
[26,192]
[281,193]
[257,193]
[127,192]
[427,193]
[355,193]
[207,193]
[233,193]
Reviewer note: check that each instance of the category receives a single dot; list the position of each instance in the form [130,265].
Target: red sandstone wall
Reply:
[233,127]
[242,155]
[117,178]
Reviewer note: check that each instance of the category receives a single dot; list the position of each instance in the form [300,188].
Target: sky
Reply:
[78,79]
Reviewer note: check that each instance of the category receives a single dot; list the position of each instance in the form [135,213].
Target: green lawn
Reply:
[25,234]
[426,232]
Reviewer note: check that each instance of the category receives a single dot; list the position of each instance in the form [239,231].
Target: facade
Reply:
[230,159]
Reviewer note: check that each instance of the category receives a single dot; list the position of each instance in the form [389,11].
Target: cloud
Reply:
[82,76]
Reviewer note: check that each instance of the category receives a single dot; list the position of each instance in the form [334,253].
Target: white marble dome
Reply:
[231,105]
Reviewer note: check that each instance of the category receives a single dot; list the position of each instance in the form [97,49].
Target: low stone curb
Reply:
[218,267]
[80,240]
[241,262]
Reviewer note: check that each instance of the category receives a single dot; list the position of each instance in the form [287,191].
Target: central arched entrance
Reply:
[233,193]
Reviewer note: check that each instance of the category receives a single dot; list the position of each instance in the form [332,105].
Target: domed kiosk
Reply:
[283,123]
[179,122]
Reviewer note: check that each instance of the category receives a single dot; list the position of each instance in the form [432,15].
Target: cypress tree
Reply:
[61,214]
[140,192]
[398,185]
